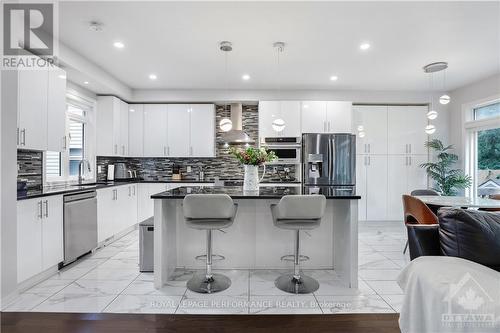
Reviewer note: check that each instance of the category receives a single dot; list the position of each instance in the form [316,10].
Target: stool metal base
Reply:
[200,284]
[305,285]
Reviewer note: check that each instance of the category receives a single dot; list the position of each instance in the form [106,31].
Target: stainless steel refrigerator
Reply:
[329,160]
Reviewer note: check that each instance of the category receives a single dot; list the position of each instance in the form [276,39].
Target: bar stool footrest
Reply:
[215,257]
[291,257]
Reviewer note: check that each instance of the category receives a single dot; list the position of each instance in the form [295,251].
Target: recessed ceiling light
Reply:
[62,76]
[85,82]
[119,45]
[246,77]
[364,46]
[152,76]
[334,78]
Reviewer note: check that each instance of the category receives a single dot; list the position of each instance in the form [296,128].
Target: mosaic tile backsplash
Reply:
[30,168]
[223,165]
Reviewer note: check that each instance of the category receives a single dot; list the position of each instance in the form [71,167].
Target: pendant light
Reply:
[278,124]
[444,99]
[225,124]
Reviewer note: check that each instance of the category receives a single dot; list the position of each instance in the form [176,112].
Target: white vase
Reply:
[251,179]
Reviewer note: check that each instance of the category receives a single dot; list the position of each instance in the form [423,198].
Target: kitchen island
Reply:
[253,242]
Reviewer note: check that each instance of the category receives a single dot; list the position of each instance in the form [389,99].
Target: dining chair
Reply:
[426,191]
[416,212]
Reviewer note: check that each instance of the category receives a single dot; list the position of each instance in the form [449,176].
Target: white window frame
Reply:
[89,107]
[471,128]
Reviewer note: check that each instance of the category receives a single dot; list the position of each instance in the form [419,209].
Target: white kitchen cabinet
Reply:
[339,117]
[376,187]
[178,130]
[52,231]
[56,110]
[136,130]
[406,129]
[361,185]
[123,131]
[143,199]
[405,176]
[314,117]
[29,238]
[116,210]
[112,126]
[372,121]
[202,130]
[39,235]
[289,111]
[155,130]
[32,112]
[106,212]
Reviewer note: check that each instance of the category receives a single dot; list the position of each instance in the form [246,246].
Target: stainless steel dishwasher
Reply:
[80,225]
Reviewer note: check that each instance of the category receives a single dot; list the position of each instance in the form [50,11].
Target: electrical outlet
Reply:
[188,168]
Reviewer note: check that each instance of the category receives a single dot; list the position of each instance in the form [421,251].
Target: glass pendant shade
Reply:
[432,114]
[226,125]
[278,125]
[430,129]
[445,99]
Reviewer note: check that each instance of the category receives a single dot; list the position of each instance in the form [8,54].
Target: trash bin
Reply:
[146,245]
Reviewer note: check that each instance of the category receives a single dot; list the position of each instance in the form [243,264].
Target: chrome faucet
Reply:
[81,169]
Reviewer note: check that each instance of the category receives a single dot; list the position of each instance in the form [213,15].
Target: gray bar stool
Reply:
[209,212]
[298,212]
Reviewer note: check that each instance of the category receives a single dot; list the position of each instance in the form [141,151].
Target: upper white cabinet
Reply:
[288,111]
[112,126]
[372,121]
[406,126]
[136,130]
[202,130]
[155,130]
[314,117]
[32,125]
[39,235]
[326,117]
[339,117]
[178,130]
[57,139]
[41,123]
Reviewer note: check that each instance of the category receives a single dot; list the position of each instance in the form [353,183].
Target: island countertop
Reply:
[265,192]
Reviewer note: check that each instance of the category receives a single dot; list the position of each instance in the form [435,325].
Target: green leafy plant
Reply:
[447,179]
[253,156]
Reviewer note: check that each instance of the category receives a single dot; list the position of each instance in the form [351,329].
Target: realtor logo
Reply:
[469,305]
[28,29]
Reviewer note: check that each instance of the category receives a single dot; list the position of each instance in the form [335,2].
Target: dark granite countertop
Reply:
[265,192]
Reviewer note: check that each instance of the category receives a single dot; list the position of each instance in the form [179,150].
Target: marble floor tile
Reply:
[89,262]
[396,255]
[146,276]
[69,302]
[50,286]
[401,263]
[105,252]
[395,301]
[213,304]
[334,287]
[288,304]
[130,255]
[121,264]
[141,287]
[111,274]
[379,274]
[144,304]
[25,302]
[385,287]
[71,273]
[262,282]
[379,264]
[353,304]
[105,287]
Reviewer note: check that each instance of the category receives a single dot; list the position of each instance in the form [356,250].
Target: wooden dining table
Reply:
[460,202]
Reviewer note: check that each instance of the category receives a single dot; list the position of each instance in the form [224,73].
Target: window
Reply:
[487,111]
[64,166]
[483,149]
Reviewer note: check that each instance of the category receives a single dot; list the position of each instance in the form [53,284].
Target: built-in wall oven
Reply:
[287,149]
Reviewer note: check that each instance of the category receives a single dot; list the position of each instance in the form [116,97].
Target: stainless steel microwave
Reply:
[287,149]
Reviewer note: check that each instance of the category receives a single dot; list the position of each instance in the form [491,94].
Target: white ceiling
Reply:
[179,43]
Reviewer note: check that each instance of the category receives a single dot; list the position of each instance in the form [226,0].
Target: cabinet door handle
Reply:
[164,151]
[133,188]
[190,151]
[17,139]
[406,148]
[123,150]
[328,126]
[23,133]
[406,160]
[168,150]
[116,149]
[40,213]
[46,208]
[65,142]
[409,160]
[369,148]
[410,147]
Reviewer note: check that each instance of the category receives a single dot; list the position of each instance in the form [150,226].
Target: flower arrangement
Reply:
[253,156]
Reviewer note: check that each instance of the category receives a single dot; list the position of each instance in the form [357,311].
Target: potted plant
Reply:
[447,180]
[251,158]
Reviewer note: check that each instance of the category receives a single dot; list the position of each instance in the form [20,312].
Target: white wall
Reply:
[479,91]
